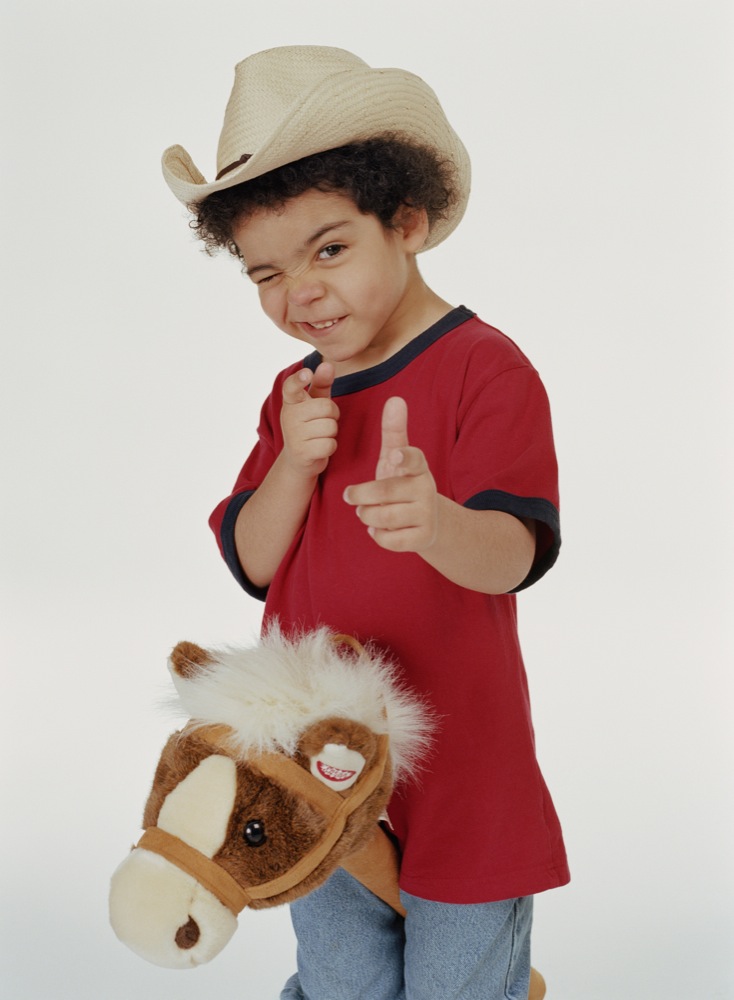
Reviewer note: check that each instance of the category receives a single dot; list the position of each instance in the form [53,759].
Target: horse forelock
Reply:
[269,694]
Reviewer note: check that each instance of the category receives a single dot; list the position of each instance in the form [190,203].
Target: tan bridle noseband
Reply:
[335,807]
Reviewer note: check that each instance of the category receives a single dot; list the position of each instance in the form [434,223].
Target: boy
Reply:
[403,487]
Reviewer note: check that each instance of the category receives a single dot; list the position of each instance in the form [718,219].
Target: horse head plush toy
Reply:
[279,777]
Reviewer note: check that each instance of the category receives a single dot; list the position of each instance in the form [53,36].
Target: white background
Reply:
[599,236]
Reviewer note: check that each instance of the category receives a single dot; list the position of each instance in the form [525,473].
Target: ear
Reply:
[187,659]
[412,224]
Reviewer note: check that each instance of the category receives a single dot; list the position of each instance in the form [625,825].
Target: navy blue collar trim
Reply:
[357,381]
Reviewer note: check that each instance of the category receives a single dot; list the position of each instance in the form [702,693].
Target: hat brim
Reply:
[345,107]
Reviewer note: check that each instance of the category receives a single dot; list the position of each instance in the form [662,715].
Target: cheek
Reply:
[273,304]
[381,292]
[367,289]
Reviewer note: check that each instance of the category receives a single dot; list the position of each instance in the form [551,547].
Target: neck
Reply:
[419,308]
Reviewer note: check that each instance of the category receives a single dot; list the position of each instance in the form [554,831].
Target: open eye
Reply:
[254,833]
[330,251]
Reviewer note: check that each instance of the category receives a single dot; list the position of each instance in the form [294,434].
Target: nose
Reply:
[188,934]
[304,290]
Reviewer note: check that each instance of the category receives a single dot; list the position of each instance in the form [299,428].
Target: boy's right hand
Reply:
[309,420]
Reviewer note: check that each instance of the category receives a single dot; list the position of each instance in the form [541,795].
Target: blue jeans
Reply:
[352,946]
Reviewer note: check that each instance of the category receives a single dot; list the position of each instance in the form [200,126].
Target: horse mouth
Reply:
[331,773]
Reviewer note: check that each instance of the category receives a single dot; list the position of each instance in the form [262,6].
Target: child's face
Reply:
[335,278]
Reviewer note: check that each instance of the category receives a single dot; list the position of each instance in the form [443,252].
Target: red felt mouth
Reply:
[332,773]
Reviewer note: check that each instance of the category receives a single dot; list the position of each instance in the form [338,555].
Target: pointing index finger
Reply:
[394,436]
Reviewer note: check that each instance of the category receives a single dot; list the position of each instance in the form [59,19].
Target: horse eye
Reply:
[254,833]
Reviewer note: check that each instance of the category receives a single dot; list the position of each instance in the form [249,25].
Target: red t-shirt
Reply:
[478,825]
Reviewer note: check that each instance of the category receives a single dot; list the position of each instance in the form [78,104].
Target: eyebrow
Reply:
[313,238]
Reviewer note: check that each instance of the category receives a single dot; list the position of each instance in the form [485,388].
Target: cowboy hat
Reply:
[298,100]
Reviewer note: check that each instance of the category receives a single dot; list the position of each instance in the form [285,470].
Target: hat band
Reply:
[237,163]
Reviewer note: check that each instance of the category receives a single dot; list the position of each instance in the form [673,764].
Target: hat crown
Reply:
[296,101]
[267,85]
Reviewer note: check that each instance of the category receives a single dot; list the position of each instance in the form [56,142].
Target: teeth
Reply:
[323,326]
[334,773]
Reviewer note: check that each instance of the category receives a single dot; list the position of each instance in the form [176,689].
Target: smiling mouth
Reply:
[332,773]
[322,326]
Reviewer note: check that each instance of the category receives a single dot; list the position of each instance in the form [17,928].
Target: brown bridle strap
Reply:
[299,781]
[342,639]
[335,807]
[207,873]
[320,851]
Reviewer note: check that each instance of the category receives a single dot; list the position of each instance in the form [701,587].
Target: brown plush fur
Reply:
[351,734]
[292,826]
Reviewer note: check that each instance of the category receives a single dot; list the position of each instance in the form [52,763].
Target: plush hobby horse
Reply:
[280,776]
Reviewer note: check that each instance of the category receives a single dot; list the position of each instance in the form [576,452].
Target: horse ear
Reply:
[187,659]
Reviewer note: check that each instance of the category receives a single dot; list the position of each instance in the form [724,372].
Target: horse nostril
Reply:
[188,934]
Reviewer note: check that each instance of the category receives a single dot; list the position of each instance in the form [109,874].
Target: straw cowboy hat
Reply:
[297,100]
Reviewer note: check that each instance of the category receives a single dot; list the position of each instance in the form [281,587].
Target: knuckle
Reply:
[394,541]
[293,387]
[390,518]
[385,492]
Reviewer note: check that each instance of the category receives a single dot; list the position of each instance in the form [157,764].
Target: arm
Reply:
[269,521]
[488,551]
[484,550]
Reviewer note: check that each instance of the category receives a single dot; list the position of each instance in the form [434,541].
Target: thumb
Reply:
[394,436]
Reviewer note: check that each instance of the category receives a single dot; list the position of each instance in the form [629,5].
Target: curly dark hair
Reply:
[380,175]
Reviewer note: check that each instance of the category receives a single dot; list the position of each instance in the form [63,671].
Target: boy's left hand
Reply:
[400,506]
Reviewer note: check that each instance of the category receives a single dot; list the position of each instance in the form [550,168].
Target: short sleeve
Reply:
[504,457]
[224,516]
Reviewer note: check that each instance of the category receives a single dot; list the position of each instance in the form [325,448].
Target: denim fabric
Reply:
[352,946]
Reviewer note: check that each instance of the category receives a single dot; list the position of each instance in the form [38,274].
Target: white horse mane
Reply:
[269,694]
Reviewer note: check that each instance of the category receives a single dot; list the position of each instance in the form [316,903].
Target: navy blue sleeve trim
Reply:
[540,510]
[229,548]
